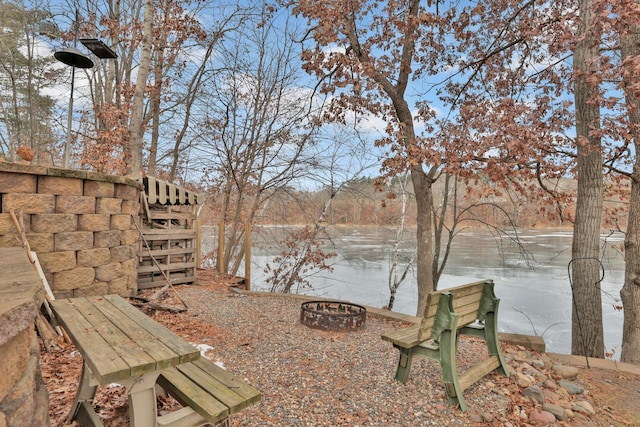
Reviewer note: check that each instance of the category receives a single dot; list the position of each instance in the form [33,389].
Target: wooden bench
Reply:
[208,393]
[470,309]
[121,344]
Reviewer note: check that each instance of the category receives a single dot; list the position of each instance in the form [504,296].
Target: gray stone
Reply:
[571,388]
[534,393]
[558,411]
[584,407]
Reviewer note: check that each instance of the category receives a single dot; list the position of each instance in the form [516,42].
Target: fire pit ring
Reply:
[333,315]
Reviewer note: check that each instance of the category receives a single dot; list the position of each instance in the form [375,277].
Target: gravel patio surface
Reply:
[310,377]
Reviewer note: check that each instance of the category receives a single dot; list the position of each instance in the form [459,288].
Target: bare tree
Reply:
[396,277]
[256,126]
[337,162]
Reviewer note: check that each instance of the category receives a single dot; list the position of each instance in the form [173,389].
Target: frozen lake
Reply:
[535,297]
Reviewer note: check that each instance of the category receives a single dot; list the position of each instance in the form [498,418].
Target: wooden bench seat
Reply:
[208,393]
[471,310]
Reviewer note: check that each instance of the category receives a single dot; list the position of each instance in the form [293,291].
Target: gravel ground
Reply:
[309,377]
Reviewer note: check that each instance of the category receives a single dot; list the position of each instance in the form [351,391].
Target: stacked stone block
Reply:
[79,223]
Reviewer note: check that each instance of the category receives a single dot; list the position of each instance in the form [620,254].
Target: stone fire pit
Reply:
[333,315]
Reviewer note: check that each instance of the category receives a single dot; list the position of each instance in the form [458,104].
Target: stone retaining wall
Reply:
[79,223]
[24,400]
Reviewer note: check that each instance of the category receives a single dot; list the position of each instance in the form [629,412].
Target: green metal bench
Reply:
[470,309]
[208,393]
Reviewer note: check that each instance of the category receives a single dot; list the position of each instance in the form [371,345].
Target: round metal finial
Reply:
[74,58]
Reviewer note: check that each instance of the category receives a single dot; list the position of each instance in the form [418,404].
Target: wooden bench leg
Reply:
[86,392]
[86,416]
[142,400]
[449,367]
[404,364]
[493,342]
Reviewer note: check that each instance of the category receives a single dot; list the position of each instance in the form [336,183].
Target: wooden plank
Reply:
[172,237]
[478,371]
[191,394]
[429,315]
[43,278]
[467,318]
[172,193]
[206,380]
[152,190]
[46,332]
[170,215]
[466,298]
[175,277]
[163,252]
[468,303]
[405,338]
[104,364]
[162,260]
[169,234]
[162,355]
[246,391]
[138,360]
[161,282]
[166,267]
[185,416]
[466,289]
[162,192]
[432,306]
[182,195]
[186,351]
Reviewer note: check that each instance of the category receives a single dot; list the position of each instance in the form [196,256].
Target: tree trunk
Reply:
[136,124]
[422,187]
[155,114]
[587,336]
[396,280]
[630,293]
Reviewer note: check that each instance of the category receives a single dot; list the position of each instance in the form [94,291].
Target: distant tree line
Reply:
[363,203]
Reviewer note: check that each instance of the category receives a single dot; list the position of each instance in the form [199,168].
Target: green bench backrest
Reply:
[469,302]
